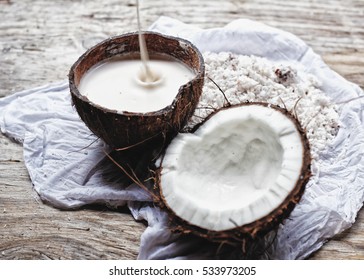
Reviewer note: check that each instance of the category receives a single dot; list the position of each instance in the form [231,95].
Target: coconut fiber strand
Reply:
[68,168]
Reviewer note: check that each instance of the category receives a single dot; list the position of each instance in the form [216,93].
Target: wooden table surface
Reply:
[39,41]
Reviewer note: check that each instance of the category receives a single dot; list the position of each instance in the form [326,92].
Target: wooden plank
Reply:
[39,41]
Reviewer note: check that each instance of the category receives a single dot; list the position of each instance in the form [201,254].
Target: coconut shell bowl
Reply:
[123,130]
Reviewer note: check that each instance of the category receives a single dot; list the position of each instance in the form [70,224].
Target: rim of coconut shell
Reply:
[261,226]
[197,67]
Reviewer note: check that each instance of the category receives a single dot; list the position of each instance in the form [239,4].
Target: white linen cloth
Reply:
[68,169]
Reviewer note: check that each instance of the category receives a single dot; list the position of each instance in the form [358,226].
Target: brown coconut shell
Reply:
[130,129]
[257,229]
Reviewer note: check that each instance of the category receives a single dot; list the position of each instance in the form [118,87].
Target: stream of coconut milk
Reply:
[138,86]
[148,75]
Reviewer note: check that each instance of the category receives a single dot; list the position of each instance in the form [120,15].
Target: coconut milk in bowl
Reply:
[118,101]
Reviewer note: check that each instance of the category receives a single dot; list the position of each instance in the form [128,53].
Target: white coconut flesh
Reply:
[236,168]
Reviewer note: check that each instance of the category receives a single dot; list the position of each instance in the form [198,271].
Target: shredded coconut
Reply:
[254,79]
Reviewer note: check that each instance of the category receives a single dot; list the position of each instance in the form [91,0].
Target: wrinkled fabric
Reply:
[68,167]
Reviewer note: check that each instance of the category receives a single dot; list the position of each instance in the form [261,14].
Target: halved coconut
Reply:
[242,171]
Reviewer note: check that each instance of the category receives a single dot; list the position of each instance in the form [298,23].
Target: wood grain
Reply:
[39,41]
